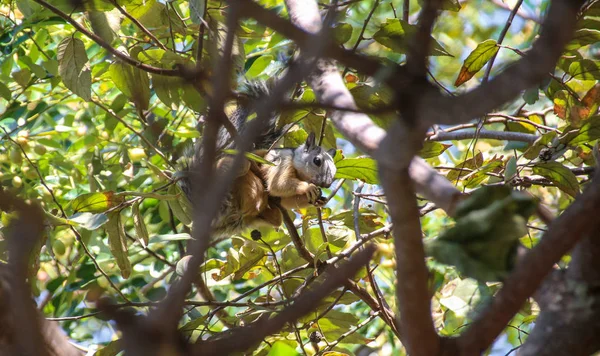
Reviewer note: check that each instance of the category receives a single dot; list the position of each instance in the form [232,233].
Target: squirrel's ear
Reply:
[332,152]
[310,141]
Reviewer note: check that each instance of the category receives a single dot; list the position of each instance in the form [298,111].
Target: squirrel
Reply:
[295,176]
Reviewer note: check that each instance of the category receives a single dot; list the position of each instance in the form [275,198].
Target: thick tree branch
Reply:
[570,318]
[169,313]
[24,331]
[420,337]
[420,44]
[561,237]
[569,322]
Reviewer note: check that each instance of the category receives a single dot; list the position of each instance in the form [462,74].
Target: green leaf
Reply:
[193,99]
[193,325]
[241,258]
[167,89]
[465,294]
[463,169]
[342,32]
[511,169]
[364,169]
[275,239]
[74,68]
[335,323]
[457,305]
[588,132]
[89,221]
[150,13]
[96,202]
[259,66]
[370,98]
[280,348]
[396,34]
[111,349]
[196,10]
[544,140]
[133,82]
[369,220]
[583,37]
[51,65]
[101,25]
[140,227]
[170,237]
[476,60]
[180,207]
[484,241]
[5,92]
[433,149]
[475,178]
[314,241]
[584,69]
[313,123]
[22,77]
[560,175]
[531,95]
[117,242]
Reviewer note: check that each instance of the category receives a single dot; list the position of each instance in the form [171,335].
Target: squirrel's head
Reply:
[314,164]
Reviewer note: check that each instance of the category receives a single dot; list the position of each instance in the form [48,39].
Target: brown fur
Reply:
[256,182]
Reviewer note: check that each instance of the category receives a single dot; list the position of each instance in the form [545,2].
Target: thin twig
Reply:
[509,21]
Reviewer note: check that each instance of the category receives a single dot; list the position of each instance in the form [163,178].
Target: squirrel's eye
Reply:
[317,161]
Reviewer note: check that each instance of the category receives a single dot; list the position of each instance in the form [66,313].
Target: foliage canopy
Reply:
[97,111]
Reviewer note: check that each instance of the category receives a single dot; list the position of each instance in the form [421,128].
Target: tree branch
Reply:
[412,291]
[24,331]
[420,43]
[570,318]
[486,134]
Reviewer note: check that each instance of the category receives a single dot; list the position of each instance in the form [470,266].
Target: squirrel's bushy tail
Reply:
[253,91]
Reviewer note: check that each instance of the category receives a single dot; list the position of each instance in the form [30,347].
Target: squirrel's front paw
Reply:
[320,202]
[313,193]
